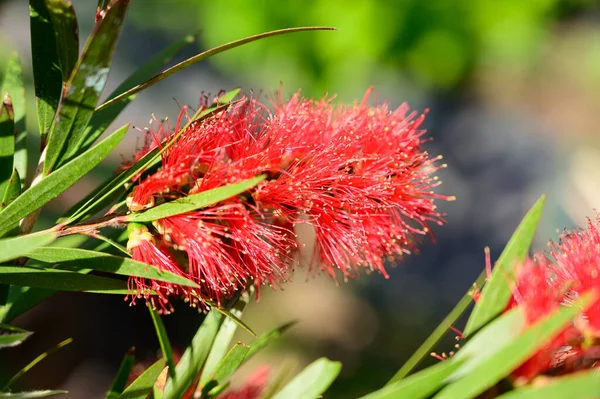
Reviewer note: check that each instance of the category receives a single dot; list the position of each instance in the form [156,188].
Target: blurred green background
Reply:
[512,86]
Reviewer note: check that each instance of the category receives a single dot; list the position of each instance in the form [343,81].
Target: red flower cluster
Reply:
[357,174]
[550,281]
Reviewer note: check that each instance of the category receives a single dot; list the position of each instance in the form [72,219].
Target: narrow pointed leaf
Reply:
[203,56]
[265,339]
[60,280]
[21,299]
[46,65]
[77,259]
[193,358]
[7,141]
[231,362]
[14,86]
[496,292]
[581,385]
[312,382]
[490,370]
[84,87]
[195,201]
[51,186]
[13,339]
[419,385]
[106,193]
[12,248]
[102,119]
[223,340]
[13,189]
[30,394]
[163,340]
[66,30]
[120,381]
[141,387]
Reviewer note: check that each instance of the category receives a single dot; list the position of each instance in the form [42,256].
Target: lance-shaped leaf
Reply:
[14,86]
[66,30]
[419,385]
[60,280]
[13,190]
[265,339]
[231,362]
[312,382]
[195,201]
[481,373]
[51,186]
[102,119]
[30,394]
[15,336]
[47,76]
[106,193]
[21,299]
[12,248]
[194,357]
[163,340]
[141,387]
[202,56]
[84,87]
[497,292]
[7,141]
[78,259]
[580,385]
[120,381]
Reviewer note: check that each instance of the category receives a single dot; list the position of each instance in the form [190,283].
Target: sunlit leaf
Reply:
[484,372]
[195,201]
[12,248]
[163,340]
[46,64]
[30,394]
[83,89]
[231,362]
[496,293]
[13,338]
[103,118]
[265,339]
[54,184]
[7,141]
[64,23]
[581,385]
[202,56]
[140,388]
[14,86]
[76,259]
[193,358]
[312,382]
[122,376]
[13,189]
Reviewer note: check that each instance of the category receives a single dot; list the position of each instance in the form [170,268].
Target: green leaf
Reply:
[46,65]
[229,315]
[199,57]
[122,376]
[106,193]
[51,186]
[193,358]
[223,340]
[76,259]
[7,141]
[30,394]
[496,293]
[83,88]
[13,339]
[265,339]
[140,388]
[419,385]
[64,22]
[13,84]
[21,299]
[195,201]
[481,373]
[581,385]
[103,118]
[231,362]
[163,340]
[60,280]
[13,189]
[312,382]
[12,248]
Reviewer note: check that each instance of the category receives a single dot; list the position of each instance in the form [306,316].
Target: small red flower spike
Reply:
[358,175]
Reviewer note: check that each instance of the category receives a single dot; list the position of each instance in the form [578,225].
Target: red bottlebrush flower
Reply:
[549,281]
[357,174]
[253,388]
